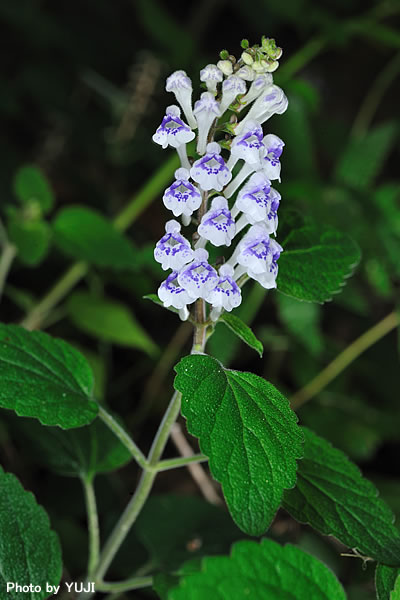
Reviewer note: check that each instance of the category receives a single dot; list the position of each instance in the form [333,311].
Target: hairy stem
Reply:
[93,525]
[344,359]
[143,489]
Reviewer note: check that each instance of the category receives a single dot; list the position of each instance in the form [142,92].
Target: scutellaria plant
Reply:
[225,195]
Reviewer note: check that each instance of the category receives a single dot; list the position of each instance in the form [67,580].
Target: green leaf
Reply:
[108,320]
[385,579]
[30,552]
[265,571]
[45,378]
[249,432]
[334,498]
[301,319]
[395,595]
[85,234]
[176,528]
[32,239]
[79,452]
[315,263]
[32,187]
[242,331]
[364,156]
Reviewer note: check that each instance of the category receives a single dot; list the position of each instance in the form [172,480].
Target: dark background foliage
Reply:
[82,91]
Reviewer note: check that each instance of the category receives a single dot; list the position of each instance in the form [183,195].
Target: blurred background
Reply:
[82,92]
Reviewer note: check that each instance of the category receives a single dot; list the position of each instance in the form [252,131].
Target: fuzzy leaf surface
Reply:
[249,432]
[266,571]
[315,263]
[108,320]
[385,579]
[334,498]
[84,234]
[242,331]
[45,378]
[30,552]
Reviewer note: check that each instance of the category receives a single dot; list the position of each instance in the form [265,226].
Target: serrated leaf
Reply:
[31,186]
[85,234]
[334,498]
[364,157]
[265,571]
[45,378]
[81,452]
[385,579]
[32,239]
[108,320]
[177,528]
[315,263]
[242,331]
[247,429]
[30,552]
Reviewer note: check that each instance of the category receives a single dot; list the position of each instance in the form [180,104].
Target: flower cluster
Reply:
[231,195]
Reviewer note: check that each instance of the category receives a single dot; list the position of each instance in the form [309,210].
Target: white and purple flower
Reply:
[182,197]
[249,145]
[270,162]
[272,101]
[181,85]
[257,255]
[226,294]
[173,131]
[171,293]
[259,202]
[206,111]
[210,171]
[217,225]
[173,250]
[198,278]
[211,75]
[231,88]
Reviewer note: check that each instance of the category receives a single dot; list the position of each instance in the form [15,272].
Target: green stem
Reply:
[143,489]
[344,359]
[7,257]
[93,525]
[124,437]
[374,96]
[181,461]
[70,278]
[123,586]
[146,195]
